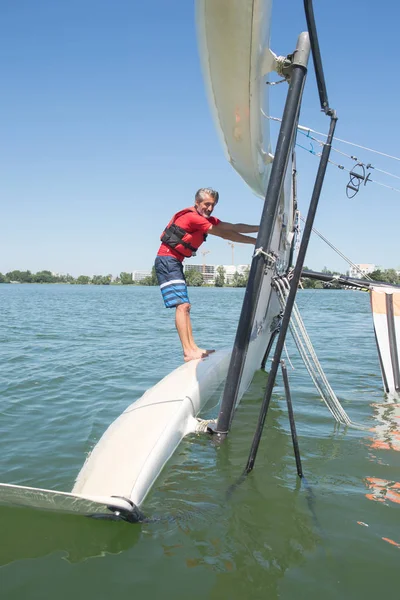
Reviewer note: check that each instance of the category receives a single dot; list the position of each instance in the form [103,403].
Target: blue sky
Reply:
[106,132]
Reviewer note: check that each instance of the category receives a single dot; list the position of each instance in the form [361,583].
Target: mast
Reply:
[263,259]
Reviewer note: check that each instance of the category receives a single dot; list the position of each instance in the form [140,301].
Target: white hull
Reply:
[385,302]
[131,453]
[30,497]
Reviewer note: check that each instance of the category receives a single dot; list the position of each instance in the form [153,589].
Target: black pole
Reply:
[316,54]
[292,292]
[291,419]
[269,347]
[284,148]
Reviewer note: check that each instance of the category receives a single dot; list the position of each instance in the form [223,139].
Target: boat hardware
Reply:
[353,187]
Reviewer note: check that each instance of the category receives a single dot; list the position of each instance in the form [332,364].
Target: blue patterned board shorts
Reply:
[172,282]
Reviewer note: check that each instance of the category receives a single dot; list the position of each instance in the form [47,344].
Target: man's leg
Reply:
[173,288]
[184,328]
[191,340]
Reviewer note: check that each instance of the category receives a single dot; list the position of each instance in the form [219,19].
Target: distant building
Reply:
[209,272]
[365,269]
[230,271]
[140,275]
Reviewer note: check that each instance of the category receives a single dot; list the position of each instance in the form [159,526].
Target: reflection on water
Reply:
[385,438]
[387,430]
[383,490]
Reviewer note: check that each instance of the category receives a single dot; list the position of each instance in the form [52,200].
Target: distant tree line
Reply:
[193,278]
[388,275]
[49,277]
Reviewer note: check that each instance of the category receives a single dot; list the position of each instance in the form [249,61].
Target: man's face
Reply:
[206,206]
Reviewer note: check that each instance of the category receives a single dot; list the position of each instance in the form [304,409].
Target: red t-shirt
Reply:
[192,223]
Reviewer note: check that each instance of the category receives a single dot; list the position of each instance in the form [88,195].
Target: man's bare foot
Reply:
[194,354]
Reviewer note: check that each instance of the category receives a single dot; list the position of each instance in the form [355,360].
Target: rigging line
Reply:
[368,166]
[318,154]
[314,356]
[287,356]
[389,187]
[343,168]
[311,362]
[302,128]
[385,172]
[337,250]
[330,398]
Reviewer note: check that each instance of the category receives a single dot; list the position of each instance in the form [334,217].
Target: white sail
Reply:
[235,57]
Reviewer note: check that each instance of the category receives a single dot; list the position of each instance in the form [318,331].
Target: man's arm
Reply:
[238,227]
[230,233]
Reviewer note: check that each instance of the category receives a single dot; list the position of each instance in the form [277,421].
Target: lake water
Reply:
[73,357]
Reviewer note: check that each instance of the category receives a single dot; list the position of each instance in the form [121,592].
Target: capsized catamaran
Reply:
[236,60]
[233,41]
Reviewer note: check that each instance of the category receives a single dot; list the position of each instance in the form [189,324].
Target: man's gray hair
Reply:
[203,192]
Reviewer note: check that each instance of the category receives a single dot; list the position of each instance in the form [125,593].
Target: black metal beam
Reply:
[317,60]
[283,150]
[291,419]
[343,279]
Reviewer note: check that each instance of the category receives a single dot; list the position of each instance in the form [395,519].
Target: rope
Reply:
[282,62]
[338,251]
[203,425]
[342,167]
[389,187]
[351,157]
[260,250]
[288,357]
[310,359]
[307,130]
[302,128]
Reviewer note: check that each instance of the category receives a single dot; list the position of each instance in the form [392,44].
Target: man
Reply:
[183,235]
